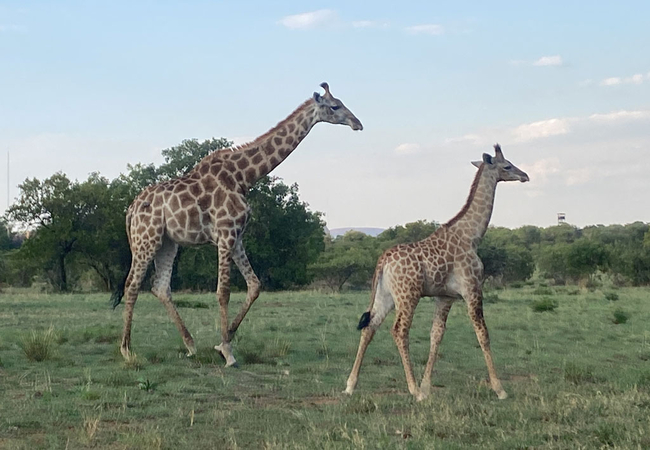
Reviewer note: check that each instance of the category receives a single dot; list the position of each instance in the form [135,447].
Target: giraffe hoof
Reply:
[126,354]
[421,396]
[502,395]
[226,352]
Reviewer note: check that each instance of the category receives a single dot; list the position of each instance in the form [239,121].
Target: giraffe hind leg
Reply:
[164,263]
[371,320]
[140,260]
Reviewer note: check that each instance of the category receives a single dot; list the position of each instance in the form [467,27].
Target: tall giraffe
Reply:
[446,266]
[208,205]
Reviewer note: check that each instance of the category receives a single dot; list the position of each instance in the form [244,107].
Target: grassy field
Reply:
[576,365]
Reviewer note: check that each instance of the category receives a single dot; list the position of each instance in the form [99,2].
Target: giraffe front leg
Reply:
[437,332]
[223,295]
[252,284]
[475,310]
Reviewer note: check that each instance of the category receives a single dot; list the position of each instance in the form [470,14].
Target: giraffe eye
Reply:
[335,107]
[507,167]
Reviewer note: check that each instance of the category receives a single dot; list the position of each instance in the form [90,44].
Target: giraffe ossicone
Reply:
[208,206]
[446,266]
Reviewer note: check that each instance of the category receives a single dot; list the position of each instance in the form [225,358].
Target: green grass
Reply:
[575,378]
[544,304]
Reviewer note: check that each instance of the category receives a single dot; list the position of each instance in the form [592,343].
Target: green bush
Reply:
[544,304]
[620,316]
[490,297]
[611,296]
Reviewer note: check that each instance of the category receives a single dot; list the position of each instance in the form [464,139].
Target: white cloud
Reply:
[313,19]
[555,60]
[543,128]
[542,169]
[620,115]
[637,78]
[407,149]
[613,81]
[467,138]
[432,29]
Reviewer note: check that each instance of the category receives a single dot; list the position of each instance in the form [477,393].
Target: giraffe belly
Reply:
[189,238]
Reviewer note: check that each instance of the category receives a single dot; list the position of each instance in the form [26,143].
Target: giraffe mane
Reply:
[258,140]
[255,142]
[470,197]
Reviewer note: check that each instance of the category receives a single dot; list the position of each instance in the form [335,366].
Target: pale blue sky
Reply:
[563,86]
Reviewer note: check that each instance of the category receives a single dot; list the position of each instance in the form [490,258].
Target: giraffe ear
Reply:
[477,163]
[487,159]
[317,97]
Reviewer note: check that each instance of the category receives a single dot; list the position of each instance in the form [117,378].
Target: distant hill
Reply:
[370,231]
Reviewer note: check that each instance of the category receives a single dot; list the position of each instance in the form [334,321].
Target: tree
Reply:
[584,257]
[52,206]
[350,257]
[102,244]
[560,233]
[505,255]
[182,158]
[552,262]
[411,232]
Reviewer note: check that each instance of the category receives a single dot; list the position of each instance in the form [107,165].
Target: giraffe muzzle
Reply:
[355,124]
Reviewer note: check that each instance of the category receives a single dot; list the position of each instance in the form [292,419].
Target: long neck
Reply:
[265,153]
[473,219]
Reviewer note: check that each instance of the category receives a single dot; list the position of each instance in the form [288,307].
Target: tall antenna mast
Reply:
[8,183]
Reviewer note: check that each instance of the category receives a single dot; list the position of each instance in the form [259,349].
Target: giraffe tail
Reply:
[364,321]
[116,296]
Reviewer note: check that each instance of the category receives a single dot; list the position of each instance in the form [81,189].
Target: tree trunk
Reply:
[62,275]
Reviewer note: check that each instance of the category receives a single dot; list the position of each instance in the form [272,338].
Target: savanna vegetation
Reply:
[69,235]
[575,362]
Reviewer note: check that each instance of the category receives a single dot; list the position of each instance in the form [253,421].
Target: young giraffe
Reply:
[208,205]
[444,265]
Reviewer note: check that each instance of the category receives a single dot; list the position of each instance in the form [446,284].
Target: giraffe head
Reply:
[331,109]
[505,170]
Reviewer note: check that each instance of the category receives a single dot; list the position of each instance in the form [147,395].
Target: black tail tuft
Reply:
[116,297]
[364,321]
